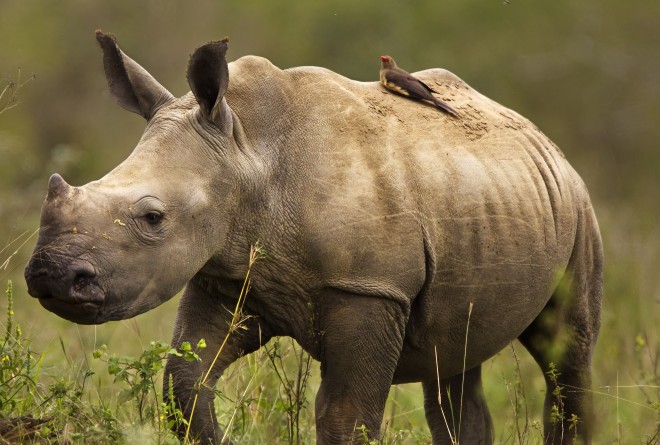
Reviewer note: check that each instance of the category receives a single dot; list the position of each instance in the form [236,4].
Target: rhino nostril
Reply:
[84,276]
[80,282]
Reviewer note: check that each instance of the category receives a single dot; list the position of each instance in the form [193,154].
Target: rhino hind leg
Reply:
[561,340]
[472,424]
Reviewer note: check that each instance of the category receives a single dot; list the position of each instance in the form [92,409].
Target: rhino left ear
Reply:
[208,77]
[131,86]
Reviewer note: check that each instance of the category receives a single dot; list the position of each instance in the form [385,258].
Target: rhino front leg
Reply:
[206,316]
[361,344]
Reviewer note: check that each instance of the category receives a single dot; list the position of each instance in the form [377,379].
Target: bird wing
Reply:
[431,90]
[408,85]
[412,78]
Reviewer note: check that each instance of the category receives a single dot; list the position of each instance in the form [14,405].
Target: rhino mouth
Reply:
[81,304]
[78,298]
[81,312]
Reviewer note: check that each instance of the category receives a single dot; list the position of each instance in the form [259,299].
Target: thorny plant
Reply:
[25,236]
[518,401]
[257,252]
[648,359]
[455,432]
[9,91]
[293,400]
[648,363]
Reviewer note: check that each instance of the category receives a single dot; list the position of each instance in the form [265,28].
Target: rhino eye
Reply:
[153,217]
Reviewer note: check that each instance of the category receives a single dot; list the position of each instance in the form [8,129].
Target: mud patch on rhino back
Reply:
[479,115]
[377,106]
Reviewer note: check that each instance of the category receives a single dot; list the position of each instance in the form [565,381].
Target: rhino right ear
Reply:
[208,78]
[131,86]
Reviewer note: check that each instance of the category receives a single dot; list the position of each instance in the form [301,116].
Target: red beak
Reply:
[384,58]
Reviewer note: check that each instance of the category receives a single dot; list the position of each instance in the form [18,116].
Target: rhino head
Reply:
[106,250]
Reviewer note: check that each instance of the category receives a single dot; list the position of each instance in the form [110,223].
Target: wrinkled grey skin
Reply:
[382,218]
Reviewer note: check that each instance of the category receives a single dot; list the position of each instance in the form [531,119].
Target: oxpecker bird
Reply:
[395,79]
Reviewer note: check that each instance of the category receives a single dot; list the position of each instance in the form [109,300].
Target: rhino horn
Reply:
[131,86]
[57,187]
[208,78]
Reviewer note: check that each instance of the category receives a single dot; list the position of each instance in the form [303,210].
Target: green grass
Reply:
[80,384]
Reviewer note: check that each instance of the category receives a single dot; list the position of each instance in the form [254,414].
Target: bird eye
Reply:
[153,217]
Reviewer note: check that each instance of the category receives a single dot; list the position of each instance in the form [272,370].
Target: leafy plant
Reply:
[140,376]
[19,366]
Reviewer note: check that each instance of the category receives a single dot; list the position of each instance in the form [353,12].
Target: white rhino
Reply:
[383,219]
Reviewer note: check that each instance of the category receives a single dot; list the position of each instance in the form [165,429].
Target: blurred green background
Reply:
[587,73]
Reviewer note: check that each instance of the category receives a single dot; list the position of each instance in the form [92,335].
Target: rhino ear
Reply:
[131,86]
[208,77]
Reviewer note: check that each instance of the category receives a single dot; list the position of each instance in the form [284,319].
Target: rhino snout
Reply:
[71,291]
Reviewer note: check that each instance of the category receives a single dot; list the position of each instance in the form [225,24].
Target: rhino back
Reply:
[389,197]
